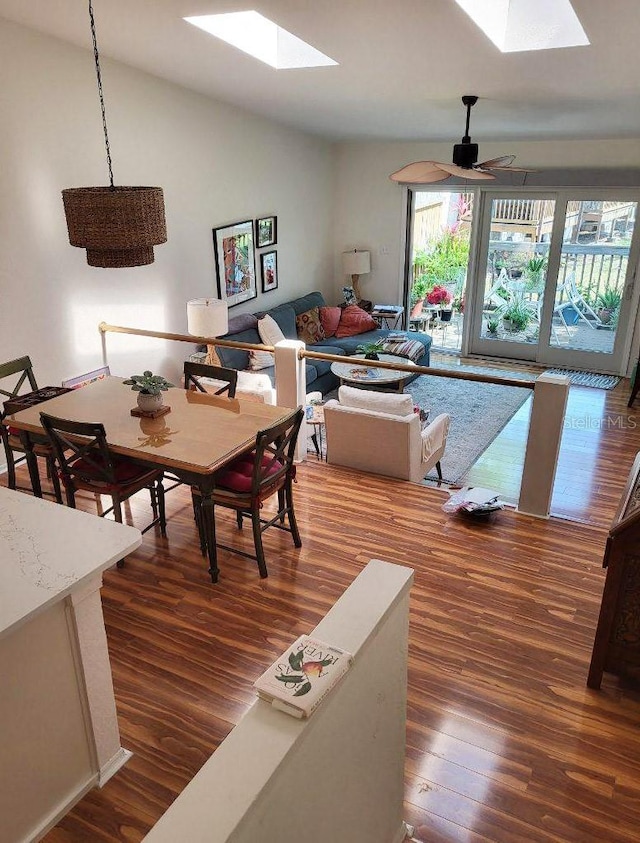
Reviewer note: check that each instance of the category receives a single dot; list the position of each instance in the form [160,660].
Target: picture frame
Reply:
[269,271]
[82,380]
[235,262]
[266,231]
[349,295]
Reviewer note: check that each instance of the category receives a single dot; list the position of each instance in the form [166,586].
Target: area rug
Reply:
[479,411]
[586,378]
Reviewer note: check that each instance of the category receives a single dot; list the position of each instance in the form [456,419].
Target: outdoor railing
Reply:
[596,268]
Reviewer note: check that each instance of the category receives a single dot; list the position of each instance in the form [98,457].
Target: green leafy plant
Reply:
[443,264]
[370,349]
[534,273]
[516,315]
[492,325]
[609,300]
[419,288]
[148,383]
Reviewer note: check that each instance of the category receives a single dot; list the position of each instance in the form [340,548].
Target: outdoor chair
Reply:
[244,484]
[379,432]
[23,370]
[86,464]
[568,296]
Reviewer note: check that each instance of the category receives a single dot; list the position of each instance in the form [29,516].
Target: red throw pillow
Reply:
[355,320]
[330,319]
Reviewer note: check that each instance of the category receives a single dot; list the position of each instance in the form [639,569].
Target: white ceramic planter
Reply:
[148,403]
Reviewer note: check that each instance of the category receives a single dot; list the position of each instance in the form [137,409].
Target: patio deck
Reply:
[447,336]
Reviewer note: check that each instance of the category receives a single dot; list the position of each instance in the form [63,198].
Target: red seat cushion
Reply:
[238,474]
[126,472]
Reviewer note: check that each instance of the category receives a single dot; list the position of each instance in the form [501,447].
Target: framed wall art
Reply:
[235,262]
[269,267]
[266,231]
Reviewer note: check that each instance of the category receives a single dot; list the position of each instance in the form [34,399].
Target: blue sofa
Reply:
[319,377]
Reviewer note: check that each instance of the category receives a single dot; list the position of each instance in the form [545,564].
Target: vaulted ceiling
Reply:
[403,66]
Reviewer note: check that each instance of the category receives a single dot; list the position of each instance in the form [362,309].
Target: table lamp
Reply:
[207,318]
[356,263]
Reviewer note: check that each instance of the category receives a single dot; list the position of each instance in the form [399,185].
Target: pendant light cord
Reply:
[100,93]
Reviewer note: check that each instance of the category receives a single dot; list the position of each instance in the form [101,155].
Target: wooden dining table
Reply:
[199,435]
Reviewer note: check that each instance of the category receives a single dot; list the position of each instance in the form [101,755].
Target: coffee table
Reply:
[362,375]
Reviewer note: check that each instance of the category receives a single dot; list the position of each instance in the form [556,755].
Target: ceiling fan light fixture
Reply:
[118,226]
[520,25]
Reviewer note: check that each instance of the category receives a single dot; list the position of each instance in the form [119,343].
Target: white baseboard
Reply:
[113,765]
[59,812]
[404,833]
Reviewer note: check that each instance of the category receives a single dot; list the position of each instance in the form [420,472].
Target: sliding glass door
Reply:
[555,281]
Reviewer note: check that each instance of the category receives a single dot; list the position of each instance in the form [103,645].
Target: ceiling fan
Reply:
[465,157]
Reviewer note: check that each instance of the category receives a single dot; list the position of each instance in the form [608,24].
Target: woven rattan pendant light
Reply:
[118,226]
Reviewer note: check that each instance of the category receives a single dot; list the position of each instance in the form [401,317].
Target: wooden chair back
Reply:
[22,367]
[194,371]
[81,452]
[274,455]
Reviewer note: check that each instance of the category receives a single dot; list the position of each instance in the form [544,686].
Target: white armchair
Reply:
[380,433]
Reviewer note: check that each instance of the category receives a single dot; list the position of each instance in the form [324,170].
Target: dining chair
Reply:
[227,378]
[194,371]
[22,370]
[86,464]
[244,484]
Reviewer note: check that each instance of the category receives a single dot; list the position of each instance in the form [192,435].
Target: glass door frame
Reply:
[543,352]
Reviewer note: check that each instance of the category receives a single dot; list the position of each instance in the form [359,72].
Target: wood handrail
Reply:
[420,370]
[104,327]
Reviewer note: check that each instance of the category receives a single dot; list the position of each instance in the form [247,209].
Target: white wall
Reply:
[216,164]
[369,209]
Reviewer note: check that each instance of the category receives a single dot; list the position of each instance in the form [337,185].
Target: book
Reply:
[302,676]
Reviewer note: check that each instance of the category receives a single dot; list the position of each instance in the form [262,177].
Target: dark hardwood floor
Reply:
[504,740]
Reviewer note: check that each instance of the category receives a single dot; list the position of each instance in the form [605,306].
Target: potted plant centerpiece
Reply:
[149,388]
[441,297]
[370,349]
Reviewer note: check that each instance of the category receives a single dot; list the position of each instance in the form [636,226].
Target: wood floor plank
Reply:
[504,740]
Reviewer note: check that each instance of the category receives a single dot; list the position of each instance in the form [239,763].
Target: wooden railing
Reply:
[547,415]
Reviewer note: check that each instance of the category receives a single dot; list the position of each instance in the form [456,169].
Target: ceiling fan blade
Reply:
[465,172]
[420,172]
[515,169]
[502,161]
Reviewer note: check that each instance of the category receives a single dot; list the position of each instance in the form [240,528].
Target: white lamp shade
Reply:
[356,263]
[207,317]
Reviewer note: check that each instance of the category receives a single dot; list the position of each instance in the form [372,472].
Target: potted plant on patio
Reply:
[492,326]
[515,316]
[534,274]
[418,294]
[149,388]
[608,302]
[441,297]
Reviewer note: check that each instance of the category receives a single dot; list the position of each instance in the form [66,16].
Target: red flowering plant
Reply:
[439,295]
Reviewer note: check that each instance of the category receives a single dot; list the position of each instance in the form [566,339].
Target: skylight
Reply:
[520,25]
[262,39]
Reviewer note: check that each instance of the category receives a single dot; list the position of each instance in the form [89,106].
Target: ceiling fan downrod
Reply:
[465,154]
